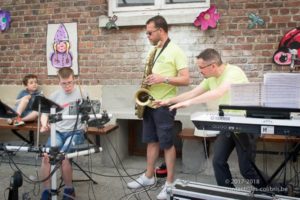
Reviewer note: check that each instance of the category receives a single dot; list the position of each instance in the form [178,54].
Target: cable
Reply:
[29,180]
[118,158]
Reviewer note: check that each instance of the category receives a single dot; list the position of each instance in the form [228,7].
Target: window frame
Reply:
[138,15]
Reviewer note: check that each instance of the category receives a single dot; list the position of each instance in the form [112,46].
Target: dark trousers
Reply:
[245,145]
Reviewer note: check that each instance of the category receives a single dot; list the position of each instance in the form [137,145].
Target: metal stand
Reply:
[42,104]
[85,173]
[54,151]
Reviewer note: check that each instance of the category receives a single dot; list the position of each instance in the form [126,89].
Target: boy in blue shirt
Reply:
[25,100]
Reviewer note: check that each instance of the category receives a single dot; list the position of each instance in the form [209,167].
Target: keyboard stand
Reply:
[265,183]
[291,155]
[85,173]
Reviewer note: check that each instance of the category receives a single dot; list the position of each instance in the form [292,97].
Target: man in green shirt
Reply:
[216,87]
[169,70]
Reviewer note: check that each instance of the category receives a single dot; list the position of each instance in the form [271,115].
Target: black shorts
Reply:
[158,126]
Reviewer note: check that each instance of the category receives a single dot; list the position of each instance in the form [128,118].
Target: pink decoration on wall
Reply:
[207,19]
[5,20]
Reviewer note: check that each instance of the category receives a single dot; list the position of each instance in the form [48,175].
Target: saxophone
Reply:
[142,96]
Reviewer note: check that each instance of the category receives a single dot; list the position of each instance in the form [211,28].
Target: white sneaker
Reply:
[142,181]
[163,193]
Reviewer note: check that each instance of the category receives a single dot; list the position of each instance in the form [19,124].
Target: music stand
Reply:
[6,111]
[43,105]
[46,104]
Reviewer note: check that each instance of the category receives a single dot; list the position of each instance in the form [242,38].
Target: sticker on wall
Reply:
[207,19]
[288,52]
[62,47]
[4,20]
[255,20]
[112,23]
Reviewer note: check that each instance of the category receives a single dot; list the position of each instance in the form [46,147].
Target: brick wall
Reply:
[116,57]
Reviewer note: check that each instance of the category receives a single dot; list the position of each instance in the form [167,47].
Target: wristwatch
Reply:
[166,81]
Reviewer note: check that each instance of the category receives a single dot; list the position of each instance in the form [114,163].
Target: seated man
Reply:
[67,135]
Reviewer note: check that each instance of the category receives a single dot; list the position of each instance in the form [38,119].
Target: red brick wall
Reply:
[116,57]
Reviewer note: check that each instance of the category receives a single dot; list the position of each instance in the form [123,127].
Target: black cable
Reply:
[74,129]
[90,171]
[123,168]
[90,164]
[29,180]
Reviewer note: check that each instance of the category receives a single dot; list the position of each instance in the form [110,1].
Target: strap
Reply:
[165,45]
[148,69]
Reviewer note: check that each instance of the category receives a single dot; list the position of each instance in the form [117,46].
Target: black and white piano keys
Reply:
[210,122]
[241,124]
[237,124]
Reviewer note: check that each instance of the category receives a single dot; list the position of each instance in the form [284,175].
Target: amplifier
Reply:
[188,190]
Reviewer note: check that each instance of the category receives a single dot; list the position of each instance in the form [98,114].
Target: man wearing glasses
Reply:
[169,70]
[67,135]
[215,87]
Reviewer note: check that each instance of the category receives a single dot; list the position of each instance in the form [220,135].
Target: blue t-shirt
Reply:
[28,108]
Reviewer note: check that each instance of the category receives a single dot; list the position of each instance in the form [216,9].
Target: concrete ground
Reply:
[111,180]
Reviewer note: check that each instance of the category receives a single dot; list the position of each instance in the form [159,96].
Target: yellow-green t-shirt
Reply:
[232,74]
[169,62]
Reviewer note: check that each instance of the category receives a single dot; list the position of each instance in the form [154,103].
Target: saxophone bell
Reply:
[143,97]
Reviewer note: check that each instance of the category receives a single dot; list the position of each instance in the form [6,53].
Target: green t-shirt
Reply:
[232,74]
[169,62]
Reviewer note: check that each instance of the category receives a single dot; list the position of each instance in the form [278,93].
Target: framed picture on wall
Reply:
[62,47]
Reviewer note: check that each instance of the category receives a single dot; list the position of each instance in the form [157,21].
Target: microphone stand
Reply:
[53,153]
[39,123]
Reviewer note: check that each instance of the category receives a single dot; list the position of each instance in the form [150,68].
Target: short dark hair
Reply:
[210,55]
[27,77]
[159,22]
[65,72]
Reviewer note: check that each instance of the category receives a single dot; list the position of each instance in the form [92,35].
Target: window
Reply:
[136,12]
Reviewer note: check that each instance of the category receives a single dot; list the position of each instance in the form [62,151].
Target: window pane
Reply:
[127,3]
[183,1]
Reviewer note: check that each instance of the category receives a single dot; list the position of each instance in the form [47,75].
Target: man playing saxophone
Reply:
[169,70]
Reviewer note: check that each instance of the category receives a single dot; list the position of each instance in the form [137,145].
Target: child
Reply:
[25,100]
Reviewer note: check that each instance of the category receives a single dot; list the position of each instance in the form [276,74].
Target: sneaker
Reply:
[46,195]
[18,122]
[163,193]
[69,194]
[142,181]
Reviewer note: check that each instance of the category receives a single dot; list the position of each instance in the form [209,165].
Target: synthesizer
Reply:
[239,123]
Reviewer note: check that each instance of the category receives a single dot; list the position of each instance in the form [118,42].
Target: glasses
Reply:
[149,33]
[65,84]
[206,66]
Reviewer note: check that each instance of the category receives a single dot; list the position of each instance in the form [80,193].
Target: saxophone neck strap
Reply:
[163,48]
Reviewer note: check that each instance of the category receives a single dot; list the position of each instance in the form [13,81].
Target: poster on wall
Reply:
[62,47]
